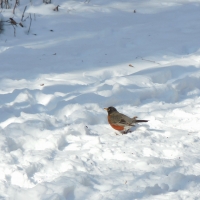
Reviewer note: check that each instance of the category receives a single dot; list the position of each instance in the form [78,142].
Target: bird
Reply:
[13,22]
[121,122]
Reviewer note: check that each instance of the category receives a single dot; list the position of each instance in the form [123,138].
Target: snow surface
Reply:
[55,141]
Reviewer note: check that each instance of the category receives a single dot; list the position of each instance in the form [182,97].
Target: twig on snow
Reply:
[148,60]
[16,4]
[30,23]
[14,30]
[23,13]
[56,8]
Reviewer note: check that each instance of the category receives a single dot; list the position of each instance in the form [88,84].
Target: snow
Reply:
[55,141]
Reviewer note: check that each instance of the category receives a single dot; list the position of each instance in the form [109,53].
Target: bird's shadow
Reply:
[144,127]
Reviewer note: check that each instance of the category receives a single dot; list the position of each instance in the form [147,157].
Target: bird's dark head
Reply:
[110,110]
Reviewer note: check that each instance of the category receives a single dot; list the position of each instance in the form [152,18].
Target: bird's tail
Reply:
[138,121]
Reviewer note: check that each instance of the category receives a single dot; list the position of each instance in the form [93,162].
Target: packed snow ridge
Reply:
[63,67]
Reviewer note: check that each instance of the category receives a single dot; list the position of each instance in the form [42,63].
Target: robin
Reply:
[121,122]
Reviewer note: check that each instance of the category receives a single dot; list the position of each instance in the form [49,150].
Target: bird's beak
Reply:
[105,108]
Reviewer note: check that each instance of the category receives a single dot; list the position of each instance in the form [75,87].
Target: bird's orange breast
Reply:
[116,127]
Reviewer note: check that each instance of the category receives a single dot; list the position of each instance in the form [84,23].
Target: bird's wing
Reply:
[121,119]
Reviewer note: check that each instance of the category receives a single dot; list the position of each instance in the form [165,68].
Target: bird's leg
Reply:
[116,133]
[125,132]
